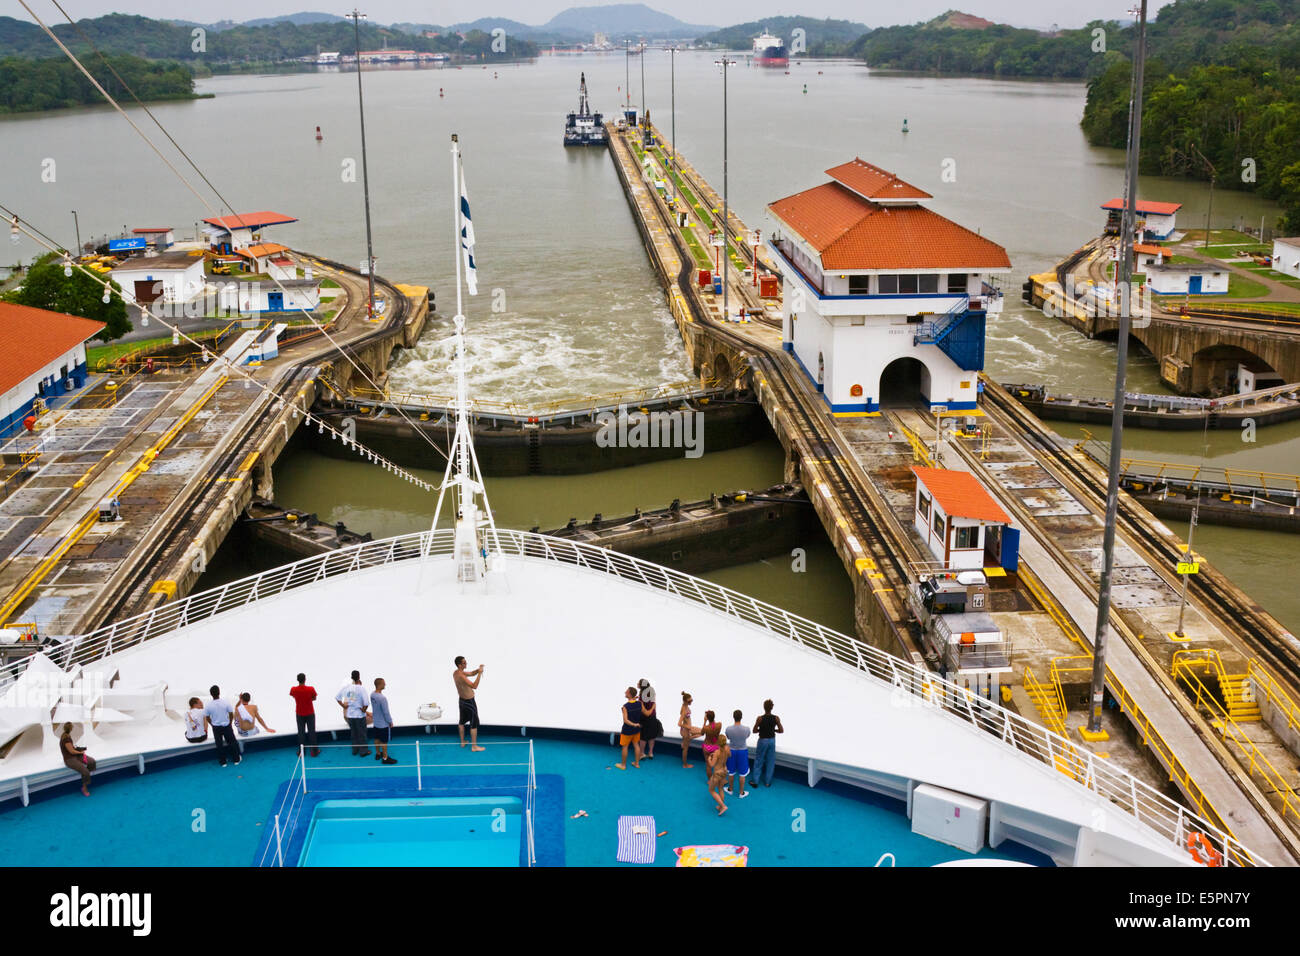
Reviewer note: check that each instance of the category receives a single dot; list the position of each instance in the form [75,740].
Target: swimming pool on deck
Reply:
[433,831]
[456,809]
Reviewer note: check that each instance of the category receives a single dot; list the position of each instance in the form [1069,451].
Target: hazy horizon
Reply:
[1029,13]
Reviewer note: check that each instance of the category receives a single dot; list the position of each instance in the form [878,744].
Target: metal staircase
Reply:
[959,334]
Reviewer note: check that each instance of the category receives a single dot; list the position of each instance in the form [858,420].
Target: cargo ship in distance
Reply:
[770,51]
[584,128]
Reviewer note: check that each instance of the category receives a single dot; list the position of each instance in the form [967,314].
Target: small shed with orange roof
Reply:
[959,520]
[42,355]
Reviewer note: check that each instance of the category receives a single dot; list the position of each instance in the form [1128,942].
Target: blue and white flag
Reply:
[467,238]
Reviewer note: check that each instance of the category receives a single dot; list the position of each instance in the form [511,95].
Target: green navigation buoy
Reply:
[904,125]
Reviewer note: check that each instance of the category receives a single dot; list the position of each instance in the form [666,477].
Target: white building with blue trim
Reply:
[884,300]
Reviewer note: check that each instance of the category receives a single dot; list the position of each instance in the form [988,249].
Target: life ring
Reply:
[430,711]
[1198,843]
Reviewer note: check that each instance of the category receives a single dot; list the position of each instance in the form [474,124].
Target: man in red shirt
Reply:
[303,695]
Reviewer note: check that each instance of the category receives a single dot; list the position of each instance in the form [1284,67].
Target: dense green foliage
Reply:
[46,287]
[824,37]
[56,82]
[997,50]
[157,39]
[1221,98]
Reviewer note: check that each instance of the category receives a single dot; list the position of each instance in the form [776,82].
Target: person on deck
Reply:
[738,761]
[651,727]
[382,730]
[688,731]
[710,731]
[767,727]
[248,716]
[219,714]
[630,735]
[76,759]
[304,712]
[465,689]
[196,723]
[352,698]
[716,761]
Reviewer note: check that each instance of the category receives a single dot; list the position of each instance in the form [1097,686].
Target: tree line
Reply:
[56,83]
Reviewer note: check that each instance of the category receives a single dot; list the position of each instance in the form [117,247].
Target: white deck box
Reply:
[950,817]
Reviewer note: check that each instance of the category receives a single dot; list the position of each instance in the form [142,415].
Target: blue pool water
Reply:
[432,831]
[191,812]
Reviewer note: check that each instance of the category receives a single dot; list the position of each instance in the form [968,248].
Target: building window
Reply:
[907,285]
[923,504]
[929,282]
[938,523]
[965,538]
[859,285]
[957,282]
[888,285]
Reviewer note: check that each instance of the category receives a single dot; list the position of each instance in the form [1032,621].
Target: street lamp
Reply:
[77,224]
[1097,690]
[672,83]
[1210,204]
[643,88]
[356,17]
[724,63]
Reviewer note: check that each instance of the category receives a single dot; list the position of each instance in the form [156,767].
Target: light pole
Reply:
[672,164]
[724,63]
[643,88]
[1098,687]
[627,75]
[1210,204]
[77,224]
[356,17]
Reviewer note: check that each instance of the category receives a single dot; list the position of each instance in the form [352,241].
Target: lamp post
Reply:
[1098,687]
[724,63]
[356,17]
[77,224]
[643,88]
[627,75]
[672,86]
[1210,204]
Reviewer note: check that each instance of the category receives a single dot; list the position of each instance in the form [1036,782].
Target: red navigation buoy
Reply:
[440,91]
[319,137]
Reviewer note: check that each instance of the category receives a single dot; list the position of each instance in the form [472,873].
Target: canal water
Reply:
[568,305]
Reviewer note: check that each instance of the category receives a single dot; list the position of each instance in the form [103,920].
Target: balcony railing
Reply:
[1025,740]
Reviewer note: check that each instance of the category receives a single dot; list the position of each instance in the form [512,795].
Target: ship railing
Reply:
[912,684]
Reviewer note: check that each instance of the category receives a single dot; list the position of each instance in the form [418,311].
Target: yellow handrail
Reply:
[1151,737]
[91,517]
[1265,683]
[1256,761]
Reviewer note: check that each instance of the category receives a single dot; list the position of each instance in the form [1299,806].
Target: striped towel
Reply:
[717,854]
[636,839]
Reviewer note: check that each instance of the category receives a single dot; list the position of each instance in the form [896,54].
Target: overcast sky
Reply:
[1033,13]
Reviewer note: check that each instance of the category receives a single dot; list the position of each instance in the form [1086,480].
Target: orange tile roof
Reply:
[1149,249]
[251,220]
[852,233]
[31,339]
[1146,205]
[960,495]
[873,182]
[263,249]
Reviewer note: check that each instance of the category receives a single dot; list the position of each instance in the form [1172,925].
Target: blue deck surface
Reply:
[191,812]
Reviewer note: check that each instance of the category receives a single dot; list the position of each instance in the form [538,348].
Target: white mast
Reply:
[462,474]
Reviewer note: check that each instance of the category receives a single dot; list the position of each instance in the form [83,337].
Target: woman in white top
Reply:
[196,722]
[247,717]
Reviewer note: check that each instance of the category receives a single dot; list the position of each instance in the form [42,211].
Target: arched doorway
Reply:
[1215,369]
[721,371]
[904,382]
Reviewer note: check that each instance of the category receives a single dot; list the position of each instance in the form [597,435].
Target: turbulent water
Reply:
[568,305]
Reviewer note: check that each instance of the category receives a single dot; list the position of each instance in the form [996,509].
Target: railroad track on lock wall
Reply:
[1262,634]
[131,594]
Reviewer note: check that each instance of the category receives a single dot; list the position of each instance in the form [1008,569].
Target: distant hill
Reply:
[621,19]
[295,18]
[823,37]
[956,20]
